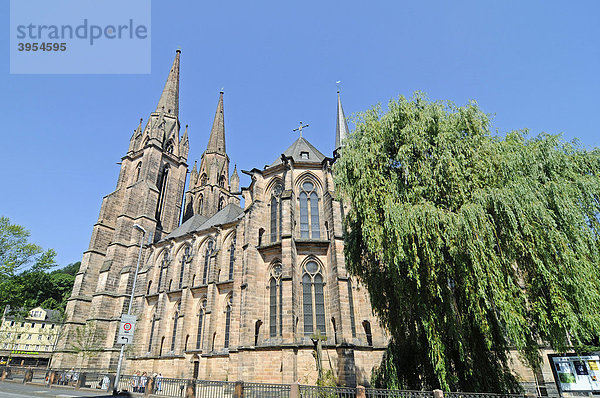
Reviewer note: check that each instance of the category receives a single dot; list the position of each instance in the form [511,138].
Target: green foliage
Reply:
[470,244]
[25,277]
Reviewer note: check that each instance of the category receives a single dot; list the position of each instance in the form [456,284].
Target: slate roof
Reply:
[301,145]
[229,213]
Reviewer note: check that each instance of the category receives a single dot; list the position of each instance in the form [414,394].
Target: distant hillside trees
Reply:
[26,276]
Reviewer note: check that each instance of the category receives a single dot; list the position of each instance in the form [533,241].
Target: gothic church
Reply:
[225,290]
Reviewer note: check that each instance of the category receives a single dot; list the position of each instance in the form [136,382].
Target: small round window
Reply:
[277,270]
[312,267]
[308,186]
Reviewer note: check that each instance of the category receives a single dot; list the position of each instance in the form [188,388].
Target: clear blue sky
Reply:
[534,64]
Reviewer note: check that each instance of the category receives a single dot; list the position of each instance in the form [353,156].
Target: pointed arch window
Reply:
[163,265]
[309,212]
[313,300]
[203,179]
[221,180]
[201,316]
[221,203]
[351,308]
[276,213]
[275,301]
[231,258]
[170,147]
[200,204]
[209,249]
[228,308]
[162,184]
[138,170]
[152,327]
[187,253]
[175,320]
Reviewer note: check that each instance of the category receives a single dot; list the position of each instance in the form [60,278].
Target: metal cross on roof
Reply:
[299,128]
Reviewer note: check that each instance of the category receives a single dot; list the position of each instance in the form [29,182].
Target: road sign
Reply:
[126,329]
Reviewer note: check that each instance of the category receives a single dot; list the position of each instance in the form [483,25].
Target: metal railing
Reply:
[266,390]
[214,389]
[381,393]
[479,395]
[170,387]
[326,392]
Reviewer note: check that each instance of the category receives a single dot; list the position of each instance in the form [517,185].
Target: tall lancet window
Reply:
[209,249]
[231,258]
[309,212]
[152,326]
[201,317]
[163,266]
[313,300]
[276,213]
[162,189]
[275,301]
[138,170]
[228,308]
[200,204]
[187,253]
[175,320]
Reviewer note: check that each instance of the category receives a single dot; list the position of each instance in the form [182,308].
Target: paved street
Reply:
[10,389]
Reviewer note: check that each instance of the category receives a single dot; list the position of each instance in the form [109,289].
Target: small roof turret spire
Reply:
[169,99]
[341,127]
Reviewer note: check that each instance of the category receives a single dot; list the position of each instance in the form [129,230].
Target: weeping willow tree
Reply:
[471,245]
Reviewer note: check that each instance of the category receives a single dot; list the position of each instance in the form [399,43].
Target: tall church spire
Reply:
[169,99]
[341,128]
[216,142]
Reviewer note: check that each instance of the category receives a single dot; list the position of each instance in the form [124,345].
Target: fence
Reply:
[216,389]
[265,390]
[170,387]
[383,393]
[327,392]
[187,388]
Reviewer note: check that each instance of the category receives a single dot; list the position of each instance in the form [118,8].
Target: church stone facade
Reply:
[232,291]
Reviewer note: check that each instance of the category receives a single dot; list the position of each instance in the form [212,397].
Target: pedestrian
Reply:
[159,382]
[135,380]
[105,382]
[143,381]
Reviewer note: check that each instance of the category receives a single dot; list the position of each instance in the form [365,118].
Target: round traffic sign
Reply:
[127,327]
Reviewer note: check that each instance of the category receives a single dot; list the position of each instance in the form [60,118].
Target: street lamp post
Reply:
[137,266]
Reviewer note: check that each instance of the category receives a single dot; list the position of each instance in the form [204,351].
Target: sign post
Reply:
[126,329]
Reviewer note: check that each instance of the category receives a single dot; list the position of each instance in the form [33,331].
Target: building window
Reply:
[222,181]
[203,180]
[163,265]
[138,170]
[275,301]
[201,316]
[162,184]
[231,258]
[29,337]
[309,212]
[152,326]
[304,155]
[170,147]
[221,203]
[185,258]
[313,301]
[209,249]
[351,305]
[149,286]
[276,213]
[200,204]
[175,320]
[367,327]
[43,325]
[228,320]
